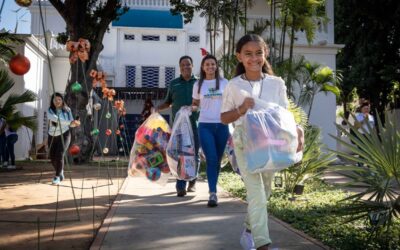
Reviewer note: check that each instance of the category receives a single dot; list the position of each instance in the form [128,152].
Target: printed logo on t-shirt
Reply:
[213,93]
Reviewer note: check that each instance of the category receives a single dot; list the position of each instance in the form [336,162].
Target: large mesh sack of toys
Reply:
[270,138]
[147,156]
[181,154]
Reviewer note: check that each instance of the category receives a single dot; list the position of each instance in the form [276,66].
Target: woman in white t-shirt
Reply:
[213,135]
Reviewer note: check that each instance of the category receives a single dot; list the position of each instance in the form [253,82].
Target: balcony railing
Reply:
[158,4]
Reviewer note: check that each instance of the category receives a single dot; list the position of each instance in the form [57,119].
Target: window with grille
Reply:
[171,39]
[129,37]
[169,75]
[130,76]
[150,38]
[150,76]
[194,39]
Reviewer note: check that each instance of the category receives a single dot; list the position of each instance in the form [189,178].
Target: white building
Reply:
[142,50]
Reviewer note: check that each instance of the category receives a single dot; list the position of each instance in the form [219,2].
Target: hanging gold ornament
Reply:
[24,3]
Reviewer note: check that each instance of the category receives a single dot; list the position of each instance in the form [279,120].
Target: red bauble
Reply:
[74,149]
[19,64]
[108,132]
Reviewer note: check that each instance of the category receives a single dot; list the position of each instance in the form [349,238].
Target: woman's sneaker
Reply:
[246,240]
[56,180]
[213,200]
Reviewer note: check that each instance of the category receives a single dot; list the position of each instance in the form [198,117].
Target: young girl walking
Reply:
[213,135]
[254,78]
[60,120]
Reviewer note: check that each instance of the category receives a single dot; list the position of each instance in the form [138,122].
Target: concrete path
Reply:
[149,216]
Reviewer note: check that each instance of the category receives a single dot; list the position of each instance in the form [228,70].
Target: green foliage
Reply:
[315,79]
[314,162]
[299,115]
[370,59]
[7,40]
[8,109]
[379,177]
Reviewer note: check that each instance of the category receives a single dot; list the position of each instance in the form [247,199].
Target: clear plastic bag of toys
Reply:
[181,154]
[229,153]
[148,153]
[270,136]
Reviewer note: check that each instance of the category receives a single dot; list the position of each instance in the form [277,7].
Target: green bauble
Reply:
[95,132]
[108,115]
[76,87]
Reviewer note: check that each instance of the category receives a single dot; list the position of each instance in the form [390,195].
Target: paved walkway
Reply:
[149,216]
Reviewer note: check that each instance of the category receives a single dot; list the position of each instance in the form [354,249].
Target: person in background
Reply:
[254,77]
[60,120]
[11,139]
[364,121]
[3,161]
[363,118]
[180,94]
[147,108]
[213,135]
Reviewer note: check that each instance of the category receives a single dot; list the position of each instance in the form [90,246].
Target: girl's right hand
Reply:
[247,104]
[75,123]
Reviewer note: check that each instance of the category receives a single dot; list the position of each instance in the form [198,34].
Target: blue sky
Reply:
[9,17]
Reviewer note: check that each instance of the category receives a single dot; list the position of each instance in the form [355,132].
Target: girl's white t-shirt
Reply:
[270,89]
[210,99]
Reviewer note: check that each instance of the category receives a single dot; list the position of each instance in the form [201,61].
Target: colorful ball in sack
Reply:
[164,168]
[141,162]
[153,174]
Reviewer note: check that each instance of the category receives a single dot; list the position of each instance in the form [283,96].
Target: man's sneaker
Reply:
[213,200]
[56,180]
[192,186]
[11,167]
[181,193]
[5,164]
[246,240]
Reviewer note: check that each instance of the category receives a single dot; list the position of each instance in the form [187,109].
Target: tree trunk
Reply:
[76,14]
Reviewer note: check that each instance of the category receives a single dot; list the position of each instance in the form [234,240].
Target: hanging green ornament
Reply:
[108,115]
[95,132]
[76,87]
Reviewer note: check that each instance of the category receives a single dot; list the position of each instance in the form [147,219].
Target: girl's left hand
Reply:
[300,139]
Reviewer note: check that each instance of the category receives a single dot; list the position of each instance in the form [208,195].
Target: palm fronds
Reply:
[6,40]
[379,177]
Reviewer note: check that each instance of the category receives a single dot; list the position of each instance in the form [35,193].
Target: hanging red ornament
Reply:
[117,132]
[19,64]
[74,149]
[108,132]
[23,3]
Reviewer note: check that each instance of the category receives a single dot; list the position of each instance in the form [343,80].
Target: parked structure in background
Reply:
[140,56]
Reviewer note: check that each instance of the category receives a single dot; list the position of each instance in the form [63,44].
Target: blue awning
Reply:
[149,19]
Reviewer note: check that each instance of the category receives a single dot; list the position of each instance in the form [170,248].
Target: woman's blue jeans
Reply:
[213,138]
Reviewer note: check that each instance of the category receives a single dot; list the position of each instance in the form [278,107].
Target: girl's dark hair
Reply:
[252,38]
[364,103]
[53,107]
[203,74]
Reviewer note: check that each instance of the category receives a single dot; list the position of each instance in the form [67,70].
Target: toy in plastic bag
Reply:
[271,138]
[147,156]
[181,155]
